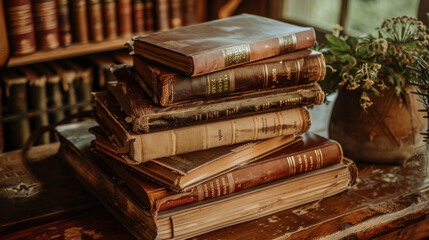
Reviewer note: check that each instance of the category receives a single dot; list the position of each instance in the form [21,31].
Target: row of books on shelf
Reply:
[181,148]
[45,93]
[48,24]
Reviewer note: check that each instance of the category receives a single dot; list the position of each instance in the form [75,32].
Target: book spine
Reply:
[176,13]
[252,105]
[219,59]
[55,101]
[110,19]
[95,17]
[125,19]
[64,25]
[46,24]
[80,21]
[175,88]
[19,21]
[190,12]
[149,15]
[1,124]
[217,134]
[138,16]
[256,174]
[162,15]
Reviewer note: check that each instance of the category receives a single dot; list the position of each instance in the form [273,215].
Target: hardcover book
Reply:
[215,45]
[96,22]
[79,20]
[167,87]
[138,16]
[199,217]
[149,15]
[139,146]
[110,19]
[46,24]
[144,116]
[64,26]
[162,14]
[185,171]
[125,17]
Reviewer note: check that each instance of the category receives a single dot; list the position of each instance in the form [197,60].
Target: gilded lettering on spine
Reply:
[236,55]
[219,83]
[287,43]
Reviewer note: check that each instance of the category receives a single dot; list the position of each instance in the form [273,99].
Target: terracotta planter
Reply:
[388,132]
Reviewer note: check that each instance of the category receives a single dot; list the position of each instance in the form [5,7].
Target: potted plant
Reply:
[376,117]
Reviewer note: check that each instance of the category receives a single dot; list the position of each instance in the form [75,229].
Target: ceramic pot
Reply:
[387,132]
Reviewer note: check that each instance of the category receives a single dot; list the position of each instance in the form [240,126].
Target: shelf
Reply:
[77,49]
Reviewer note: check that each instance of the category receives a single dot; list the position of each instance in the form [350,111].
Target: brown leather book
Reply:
[68,80]
[20,27]
[162,13]
[64,26]
[95,20]
[302,155]
[198,217]
[110,19]
[46,24]
[139,146]
[149,18]
[125,17]
[190,12]
[79,20]
[212,46]
[138,16]
[176,15]
[144,116]
[167,87]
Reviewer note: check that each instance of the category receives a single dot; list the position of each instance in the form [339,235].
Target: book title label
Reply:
[236,54]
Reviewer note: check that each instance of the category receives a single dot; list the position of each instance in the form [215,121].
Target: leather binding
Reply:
[46,24]
[138,146]
[168,88]
[138,16]
[125,20]
[19,21]
[312,153]
[144,116]
[149,18]
[96,22]
[37,100]
[110,19]
[162,15]
[83,83]
[215,45]
[80,21]
[68,78]
[15,89]
[64,26]
[190,12]
[176,13]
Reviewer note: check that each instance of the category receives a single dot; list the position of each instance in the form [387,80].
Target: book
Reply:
[190,12]
[139,146]
[138,16]
[83,83]
[20,27]
[15,88]
[149,18]
[79,20]
[176,18]
[204,216]
[167,87]
[68,78]
[162,15]
[125,20]
[293,158]
[215,45]
[64,26]
[95,18]
[110,19]
[37,100]
[144,116]
[102,64]
[46,24]
[187,170]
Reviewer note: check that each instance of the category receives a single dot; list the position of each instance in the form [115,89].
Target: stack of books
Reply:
[208,128]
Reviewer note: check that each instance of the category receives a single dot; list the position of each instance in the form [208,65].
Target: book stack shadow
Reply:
[209,128]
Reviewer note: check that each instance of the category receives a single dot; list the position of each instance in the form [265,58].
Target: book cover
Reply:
[125,18]
[215,45]
[83,83]
[68,78]
[167,87]
[20,27]
[46,24]
[95,20]
[138,146]
[64,26]
[200,217]
[144,116]
[80,21]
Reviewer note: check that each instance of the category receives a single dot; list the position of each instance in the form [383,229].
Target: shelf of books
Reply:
[68,52]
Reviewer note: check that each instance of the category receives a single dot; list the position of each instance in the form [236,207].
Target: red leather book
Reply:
[20,27]
[212,46]
[166,87]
